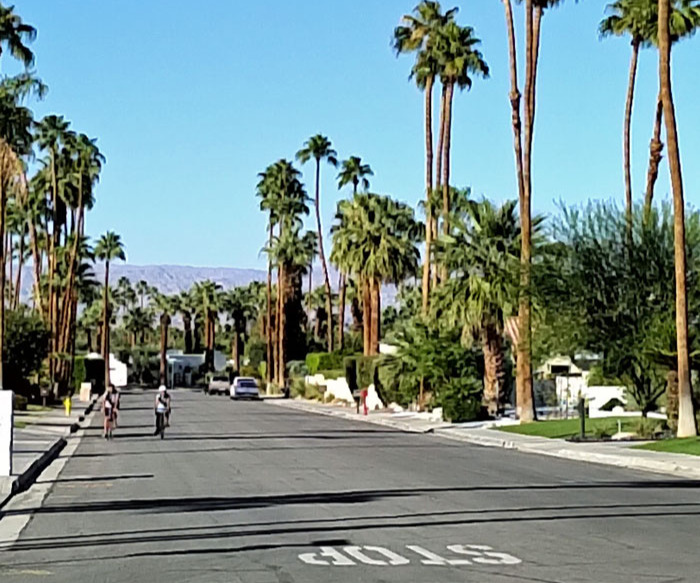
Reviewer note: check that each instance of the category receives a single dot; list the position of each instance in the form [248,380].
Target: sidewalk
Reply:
[609,453]
[38,438]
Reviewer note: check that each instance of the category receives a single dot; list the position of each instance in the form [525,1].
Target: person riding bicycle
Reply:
[162,408]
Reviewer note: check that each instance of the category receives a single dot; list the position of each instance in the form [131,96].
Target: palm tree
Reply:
[15,142]
[166,305]
[186,307]
[482,251]
[353,171]
[239,303]
[418,33]
[14,36]
[208,303]
[525,404]
[142,290]
[108,249]
[319,148]
[684,20]
[687,425]
[458,60]
[629,17]
[137,322]
[374,238]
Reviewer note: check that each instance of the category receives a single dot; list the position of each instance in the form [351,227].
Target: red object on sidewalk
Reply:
[363,397]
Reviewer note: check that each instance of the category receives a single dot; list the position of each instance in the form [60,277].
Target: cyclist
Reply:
[162,409]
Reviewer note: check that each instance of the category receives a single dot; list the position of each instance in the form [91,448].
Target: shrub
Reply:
[350,364]
[19,403]
[250,371]
[460,399]
[366,371]
[297,368]
[255,350]
[338,373]
[316,361]
[26,346]
[78,372]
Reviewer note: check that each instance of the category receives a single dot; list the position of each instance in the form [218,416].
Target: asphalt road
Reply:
[256,493]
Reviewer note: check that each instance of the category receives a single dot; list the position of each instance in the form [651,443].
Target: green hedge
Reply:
[78,372]
[316,361]
[337,373]
[350,365]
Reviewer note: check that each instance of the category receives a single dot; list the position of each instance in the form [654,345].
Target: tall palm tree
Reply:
[319,148]
[459,60]
[15,35]
[109,248]
[629,17]
[684,21]
[523,138]
[687,425]
[354,172]
[418,33]
[15,142]
[166,306]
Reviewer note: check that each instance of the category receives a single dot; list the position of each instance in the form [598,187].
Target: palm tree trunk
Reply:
[187,325]
[375,328]
[105,326]
[281,324]
[322,257]
[439,160]
[687,426]
[525,406]
[446,170]
[656,147]
[10,259]
[627,130]
[164,324]
[235,350]
[428,189]
[342,287]
[366,316]
[36,261]
[3,201]
[20,265]
[88,333]
[268,331]
[494,371]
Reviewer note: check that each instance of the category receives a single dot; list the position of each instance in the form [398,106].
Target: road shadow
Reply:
[98,478]
[224,503]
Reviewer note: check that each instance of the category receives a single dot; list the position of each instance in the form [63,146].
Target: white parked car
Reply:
[245,388]
[218,385]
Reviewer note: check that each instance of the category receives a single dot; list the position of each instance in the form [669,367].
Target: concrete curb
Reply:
[25,480]
[674,466]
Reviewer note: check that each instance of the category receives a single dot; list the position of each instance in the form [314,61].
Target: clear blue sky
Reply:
[190,100]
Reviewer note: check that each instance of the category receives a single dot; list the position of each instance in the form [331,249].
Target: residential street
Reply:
[254,493]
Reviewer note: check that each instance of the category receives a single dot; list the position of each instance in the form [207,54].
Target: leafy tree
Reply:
[26,346]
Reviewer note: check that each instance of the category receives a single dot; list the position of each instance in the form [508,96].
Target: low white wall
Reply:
[339,390]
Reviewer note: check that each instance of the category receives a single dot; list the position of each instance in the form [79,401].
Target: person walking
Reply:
[108,410]
[116,399]
[162,409]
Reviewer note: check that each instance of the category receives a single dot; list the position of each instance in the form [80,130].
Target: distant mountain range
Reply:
[172,279]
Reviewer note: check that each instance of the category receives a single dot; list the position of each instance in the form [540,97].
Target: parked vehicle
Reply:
[218,385]
[245,388]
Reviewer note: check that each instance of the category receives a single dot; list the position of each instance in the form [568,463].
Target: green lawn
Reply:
[688,445]
[19,424]
[37,408]
[562,428]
